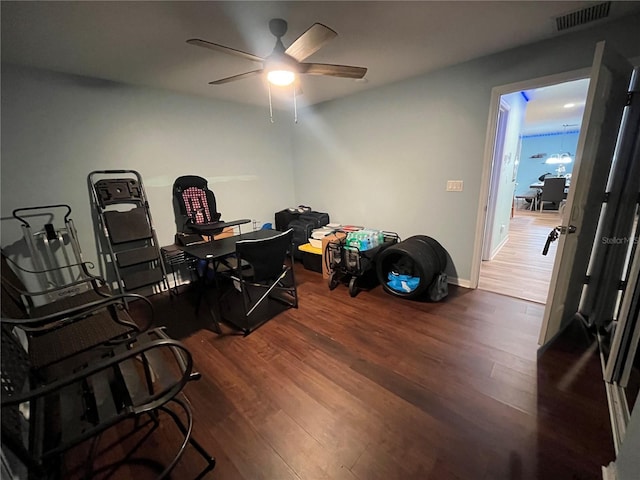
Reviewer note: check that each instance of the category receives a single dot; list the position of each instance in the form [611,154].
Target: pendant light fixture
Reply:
[563,157]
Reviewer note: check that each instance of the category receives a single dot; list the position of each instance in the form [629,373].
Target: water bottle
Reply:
[367,240]
[351,239]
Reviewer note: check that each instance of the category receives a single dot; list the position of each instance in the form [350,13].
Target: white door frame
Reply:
[496,170]
[496,93]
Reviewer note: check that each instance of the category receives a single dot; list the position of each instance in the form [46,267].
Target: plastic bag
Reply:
[402,283]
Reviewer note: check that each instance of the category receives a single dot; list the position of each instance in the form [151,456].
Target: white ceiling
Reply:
[556,108]
[143,43]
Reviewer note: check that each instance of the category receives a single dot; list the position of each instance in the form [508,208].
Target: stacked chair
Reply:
[52,330]
[60,284]
[75,363]
[128,235]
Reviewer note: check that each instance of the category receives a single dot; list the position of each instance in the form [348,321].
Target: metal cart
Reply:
[348,263]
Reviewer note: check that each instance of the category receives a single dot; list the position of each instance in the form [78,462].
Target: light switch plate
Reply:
[454,185]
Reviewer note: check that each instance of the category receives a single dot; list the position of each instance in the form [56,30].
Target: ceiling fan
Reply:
[283,65]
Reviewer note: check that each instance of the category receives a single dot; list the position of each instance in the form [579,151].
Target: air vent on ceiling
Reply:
[582,16]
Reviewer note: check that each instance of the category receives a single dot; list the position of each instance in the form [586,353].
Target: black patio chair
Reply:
[261,273]
[84,310]
[44,417]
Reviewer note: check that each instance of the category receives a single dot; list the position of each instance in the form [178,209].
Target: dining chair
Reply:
[552,191]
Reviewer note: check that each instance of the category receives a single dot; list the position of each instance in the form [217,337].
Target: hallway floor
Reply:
[519,269]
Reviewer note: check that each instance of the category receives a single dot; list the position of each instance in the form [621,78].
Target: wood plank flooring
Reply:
[519,269]
[378,387]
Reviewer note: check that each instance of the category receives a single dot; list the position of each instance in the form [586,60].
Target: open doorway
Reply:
[516,227]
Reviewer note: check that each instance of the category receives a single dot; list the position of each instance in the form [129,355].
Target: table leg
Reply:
[203,295]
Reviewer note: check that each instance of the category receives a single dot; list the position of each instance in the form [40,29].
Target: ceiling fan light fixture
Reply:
[281,78]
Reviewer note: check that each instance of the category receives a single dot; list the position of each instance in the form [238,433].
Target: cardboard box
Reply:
[226,232]
[333,238]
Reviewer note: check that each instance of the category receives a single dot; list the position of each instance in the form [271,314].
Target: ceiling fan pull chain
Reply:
[295,105]
[270,107]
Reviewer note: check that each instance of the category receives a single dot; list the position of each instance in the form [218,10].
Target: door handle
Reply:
[566,230]
[555,232]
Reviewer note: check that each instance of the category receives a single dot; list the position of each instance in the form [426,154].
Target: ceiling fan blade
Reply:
[310,41]
[221,48]
[345,71]
[236,77]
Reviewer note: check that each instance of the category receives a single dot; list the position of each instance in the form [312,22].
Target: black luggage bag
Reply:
[301,232]
[303,226]
[319,219]
[284,217]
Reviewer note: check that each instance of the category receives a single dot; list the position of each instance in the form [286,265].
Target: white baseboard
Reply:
[461,282]
[499,247]
[609,472]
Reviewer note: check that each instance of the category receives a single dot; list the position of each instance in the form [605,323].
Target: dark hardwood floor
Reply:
[378,387]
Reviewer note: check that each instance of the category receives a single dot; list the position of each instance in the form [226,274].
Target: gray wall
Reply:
[382,157]
[57,128]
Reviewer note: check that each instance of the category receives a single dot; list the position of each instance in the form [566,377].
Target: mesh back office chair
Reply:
[552,191]
[267,277]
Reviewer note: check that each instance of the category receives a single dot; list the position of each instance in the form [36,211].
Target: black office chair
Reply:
[260,275]
[552,191]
